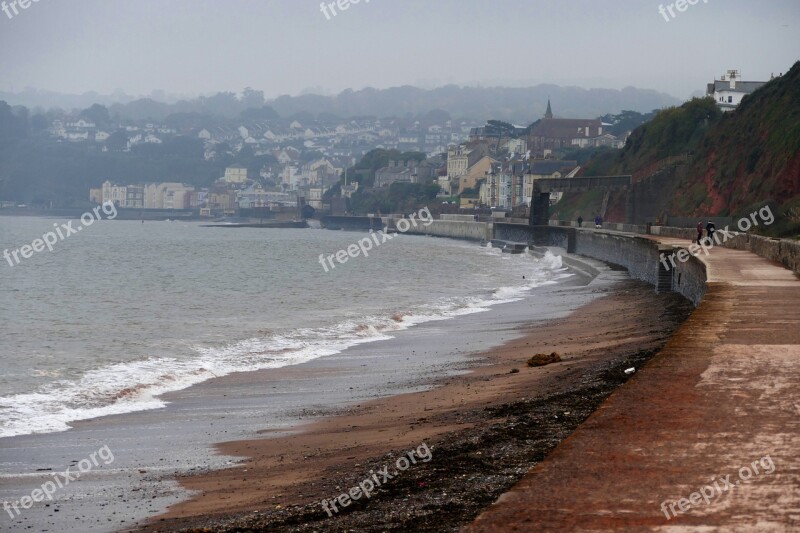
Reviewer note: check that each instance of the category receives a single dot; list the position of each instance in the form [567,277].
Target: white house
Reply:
[81,124]
[728,93]
[77,136]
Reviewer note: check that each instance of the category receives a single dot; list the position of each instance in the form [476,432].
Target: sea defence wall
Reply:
[639,255]
[348,223]
[642,258]
[782,251]
[455,229]
[626,245]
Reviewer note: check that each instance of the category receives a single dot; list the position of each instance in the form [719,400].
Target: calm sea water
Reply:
[123,311]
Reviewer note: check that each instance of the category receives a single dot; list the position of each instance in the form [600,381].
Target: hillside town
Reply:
[493,165]
[490,166]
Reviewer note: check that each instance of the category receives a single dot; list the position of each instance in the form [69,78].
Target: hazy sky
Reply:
[287,46]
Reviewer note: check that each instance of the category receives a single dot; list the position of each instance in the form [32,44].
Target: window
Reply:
[730,99]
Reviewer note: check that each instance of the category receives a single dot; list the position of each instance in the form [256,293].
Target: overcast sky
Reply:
[288,46]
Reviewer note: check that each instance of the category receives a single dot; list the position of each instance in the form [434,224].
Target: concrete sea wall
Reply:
[455,229]
[348,223]
[639,255]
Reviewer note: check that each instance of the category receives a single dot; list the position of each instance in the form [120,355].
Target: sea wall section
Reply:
[618,244]
[454,229]
[348,223]
[639,255]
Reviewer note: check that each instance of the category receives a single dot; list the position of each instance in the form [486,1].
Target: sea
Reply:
[123,312]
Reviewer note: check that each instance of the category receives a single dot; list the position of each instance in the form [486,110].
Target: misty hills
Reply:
[518,105]
[512,104]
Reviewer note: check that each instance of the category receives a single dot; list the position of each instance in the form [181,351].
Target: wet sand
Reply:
[152,448]
[485,430]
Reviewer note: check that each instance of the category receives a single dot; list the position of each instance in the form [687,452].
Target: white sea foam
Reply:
[137,386]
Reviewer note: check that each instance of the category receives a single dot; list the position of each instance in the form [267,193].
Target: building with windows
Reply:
[550,133]
[460,158]
[235,174]
[118,194]
[547,168]
[167,195]
[729,91]
[502,186]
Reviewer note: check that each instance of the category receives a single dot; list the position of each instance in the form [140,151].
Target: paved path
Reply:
[722,399]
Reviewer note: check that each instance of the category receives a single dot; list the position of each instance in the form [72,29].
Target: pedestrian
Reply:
[598,222]
[699,232]
[580,221]
[710,229]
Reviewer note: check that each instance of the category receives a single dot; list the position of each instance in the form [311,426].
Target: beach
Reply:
[216,366]
[485,429]
[268,445]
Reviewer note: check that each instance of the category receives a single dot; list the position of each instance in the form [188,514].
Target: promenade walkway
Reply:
[721,399]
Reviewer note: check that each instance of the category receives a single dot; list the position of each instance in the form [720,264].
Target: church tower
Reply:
[549,112]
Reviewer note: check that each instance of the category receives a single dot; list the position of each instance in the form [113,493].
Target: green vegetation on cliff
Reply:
[722,164]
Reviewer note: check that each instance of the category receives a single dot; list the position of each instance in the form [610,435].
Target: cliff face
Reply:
[719,164]
[751,155]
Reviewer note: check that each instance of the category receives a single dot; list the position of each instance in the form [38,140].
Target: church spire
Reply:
[549,112]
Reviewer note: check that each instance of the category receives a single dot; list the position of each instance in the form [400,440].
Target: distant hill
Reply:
[738,161]
[518,105]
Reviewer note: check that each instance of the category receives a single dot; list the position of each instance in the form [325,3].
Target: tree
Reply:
[13,122]
[303,117]
[117,141]
[436,116]
[259,114]
[39,123]
[310,156]
[190,121]
[252,98]
[97,114]
[225,104]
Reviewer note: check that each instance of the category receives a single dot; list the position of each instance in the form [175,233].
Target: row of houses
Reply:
[351,140]
[498,165]
[236,189]
[83,130]
[411,171]
[218,199]
[170,195]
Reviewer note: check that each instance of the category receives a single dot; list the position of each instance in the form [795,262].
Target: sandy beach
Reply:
[485,429]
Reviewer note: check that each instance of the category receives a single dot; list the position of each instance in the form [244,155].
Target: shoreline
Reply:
[472,429]
[152,447]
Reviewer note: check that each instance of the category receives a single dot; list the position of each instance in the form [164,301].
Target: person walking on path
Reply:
[580,221]
[699,232]
[710,229]
[598,222]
